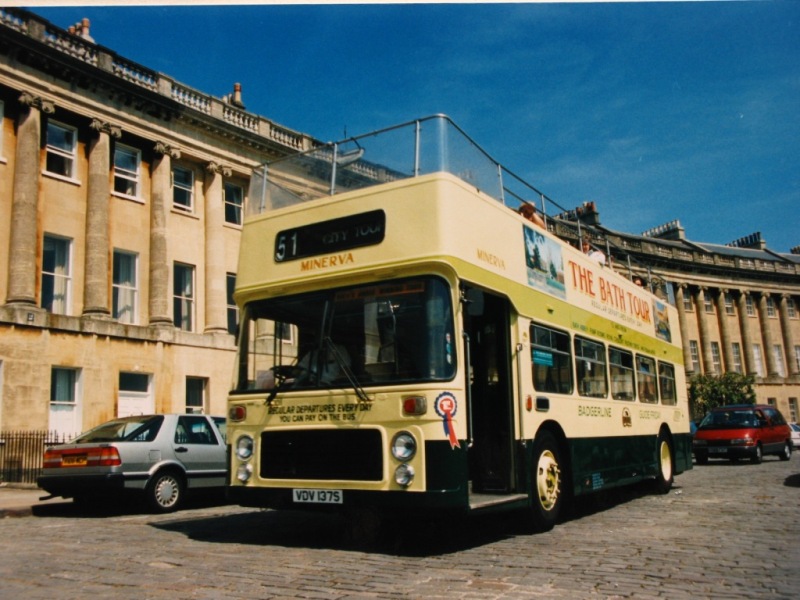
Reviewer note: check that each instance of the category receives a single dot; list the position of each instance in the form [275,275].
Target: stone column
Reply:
[24,202]
[724,331]
[216,318]
[97,272]
[702,323]
[684,326]
[747,339]
[788,338]
[766,335]
[160,198]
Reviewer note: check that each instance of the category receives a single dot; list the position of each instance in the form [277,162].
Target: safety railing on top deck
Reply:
[428,145]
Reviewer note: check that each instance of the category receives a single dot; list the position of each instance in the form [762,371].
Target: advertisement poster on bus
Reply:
[544,263]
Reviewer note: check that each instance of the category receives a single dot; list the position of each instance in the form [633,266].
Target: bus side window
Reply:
[621,367]
[552,361]
[590,366]
[646,374]
[666,383]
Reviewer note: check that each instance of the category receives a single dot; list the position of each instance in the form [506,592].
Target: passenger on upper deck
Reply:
[528,210]
[593,253]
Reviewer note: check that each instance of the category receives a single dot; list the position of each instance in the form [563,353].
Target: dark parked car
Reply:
[159,455]
[742,431]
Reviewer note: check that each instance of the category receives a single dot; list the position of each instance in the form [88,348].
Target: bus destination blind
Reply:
[326,237]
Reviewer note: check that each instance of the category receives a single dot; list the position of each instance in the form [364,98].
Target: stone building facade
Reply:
[738,304]
[122,194]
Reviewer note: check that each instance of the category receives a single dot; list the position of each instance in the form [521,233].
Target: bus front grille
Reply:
[322,454]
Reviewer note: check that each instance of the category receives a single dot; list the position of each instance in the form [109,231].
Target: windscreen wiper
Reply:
[354,383]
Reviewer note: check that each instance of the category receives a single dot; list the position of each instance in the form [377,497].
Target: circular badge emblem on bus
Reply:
[446,406]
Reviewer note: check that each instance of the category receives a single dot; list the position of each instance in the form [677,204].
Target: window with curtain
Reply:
[56,278]
[183,297]
[61,149]
[183,189]
[126,171]
[195,395]
[234,200]
[233,312]
[124,287]
[64,416]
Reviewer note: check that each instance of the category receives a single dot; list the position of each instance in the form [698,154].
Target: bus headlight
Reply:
[404,446]
[404,475]
[244,472]
[244,447]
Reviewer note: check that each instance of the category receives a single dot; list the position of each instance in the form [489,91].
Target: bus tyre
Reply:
[666,472]
[547,483]
[165,491]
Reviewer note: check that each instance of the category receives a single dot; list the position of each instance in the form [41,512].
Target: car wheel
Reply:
[547,483]
[165,491]
[758,455]
[787,451]
[665,475]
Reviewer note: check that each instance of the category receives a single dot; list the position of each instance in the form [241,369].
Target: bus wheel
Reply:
[547,492]
[665,475]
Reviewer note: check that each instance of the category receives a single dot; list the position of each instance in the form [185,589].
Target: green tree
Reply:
[709,391]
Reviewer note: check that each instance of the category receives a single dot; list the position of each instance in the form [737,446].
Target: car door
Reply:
[199,447]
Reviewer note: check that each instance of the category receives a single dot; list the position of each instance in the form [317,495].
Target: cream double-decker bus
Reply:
[408,342]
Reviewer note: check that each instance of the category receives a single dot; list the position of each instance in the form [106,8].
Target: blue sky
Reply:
[656,111]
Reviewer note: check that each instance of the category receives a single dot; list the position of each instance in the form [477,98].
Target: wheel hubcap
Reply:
[547,480]
[166,492]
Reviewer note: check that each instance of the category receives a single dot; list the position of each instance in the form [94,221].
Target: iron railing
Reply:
[21,454]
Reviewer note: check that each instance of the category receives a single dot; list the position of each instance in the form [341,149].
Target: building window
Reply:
[56,277]
[772,401]
[708,304]
[759,360]
[64,414]
[695,355]
[135,394]
[736,349]
[729,304]
[797,358]
[195,395]
[62,145]
[715,357]
[234,200]
[183,297]
[124,287]
[233,312]
[687,300]
[771,307]
[791,308]
[183,189]
[793,410]
[126,171]
[749,306]
[777,354]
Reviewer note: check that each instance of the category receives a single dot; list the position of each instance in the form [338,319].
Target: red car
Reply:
[742,431]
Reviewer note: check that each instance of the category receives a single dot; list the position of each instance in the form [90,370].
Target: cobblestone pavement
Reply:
[724,531]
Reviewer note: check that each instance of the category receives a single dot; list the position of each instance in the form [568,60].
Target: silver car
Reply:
[160,455]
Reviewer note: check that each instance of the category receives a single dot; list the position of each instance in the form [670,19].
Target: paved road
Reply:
[725,531]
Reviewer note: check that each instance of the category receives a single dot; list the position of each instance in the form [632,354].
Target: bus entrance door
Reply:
[486,323]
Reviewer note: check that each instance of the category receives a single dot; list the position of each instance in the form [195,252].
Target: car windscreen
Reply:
[131,429]
[730,419]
